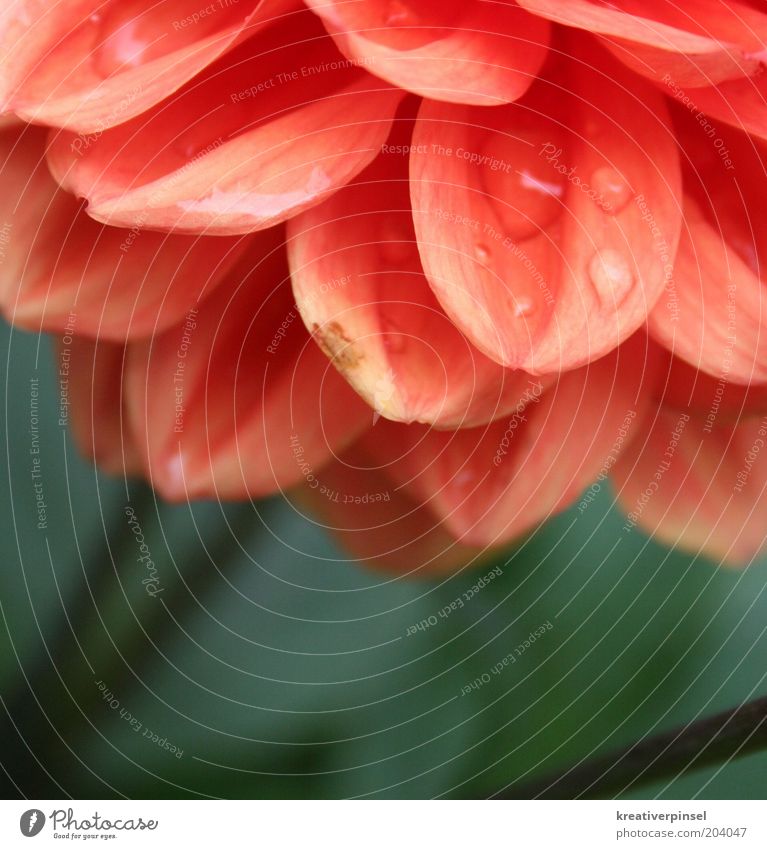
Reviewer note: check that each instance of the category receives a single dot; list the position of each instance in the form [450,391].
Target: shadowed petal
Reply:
[238,401]
[271,129]
[547,228]
[91,374]
[489,485]
[713,314]
[377,523]
[58,262]
[480,53]
[698,488]
[714,399]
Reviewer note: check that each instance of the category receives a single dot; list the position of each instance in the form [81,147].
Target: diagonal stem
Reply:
[708,742]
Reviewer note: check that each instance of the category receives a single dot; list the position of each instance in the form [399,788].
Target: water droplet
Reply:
[523,308]
[613,192]
[521,176]
[482,253]
[124,40]
[611,274]
[399,14]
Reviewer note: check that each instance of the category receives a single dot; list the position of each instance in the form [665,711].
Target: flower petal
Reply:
[741,103]
[88,64]
[359,285]
[546,228]
[91,374]
[479,53]
[489,485]
[238,401]
[698,488]
[269,130]
[378,524]
[713,314]
[714,399]
[694,43]
[58,262]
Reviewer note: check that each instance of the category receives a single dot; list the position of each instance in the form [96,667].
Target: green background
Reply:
[282,670]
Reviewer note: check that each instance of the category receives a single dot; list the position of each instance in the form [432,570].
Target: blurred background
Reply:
[265,664]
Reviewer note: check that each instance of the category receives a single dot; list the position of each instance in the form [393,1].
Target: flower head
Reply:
[437,267]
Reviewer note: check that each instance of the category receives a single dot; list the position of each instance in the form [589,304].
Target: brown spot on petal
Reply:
[337,346]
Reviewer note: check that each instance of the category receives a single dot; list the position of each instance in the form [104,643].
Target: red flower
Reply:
[529,235]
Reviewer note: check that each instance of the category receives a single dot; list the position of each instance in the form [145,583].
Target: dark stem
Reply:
[711,741]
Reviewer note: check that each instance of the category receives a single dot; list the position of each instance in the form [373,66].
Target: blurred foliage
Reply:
[282,670]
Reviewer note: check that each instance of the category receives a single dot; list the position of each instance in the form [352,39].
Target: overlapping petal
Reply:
[237,401]
[272,128]
[379,524]
[88,65]
[547,228]
[481,53]
[698,486]
[695,43]
[59,262]
[489,485]
[359,285]
[91,374]
[714,312]
[687,389]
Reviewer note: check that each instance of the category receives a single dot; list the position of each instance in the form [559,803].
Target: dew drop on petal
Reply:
[611,274]
[399,14]
[481,253]
[523,308]
[526,188]
[613,192]
[125,38]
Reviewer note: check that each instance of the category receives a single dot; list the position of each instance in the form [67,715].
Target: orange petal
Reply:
[88,65]
[377,523]
[271,129]
[238,401]
[698,42]
[90,380]
[359,285]
[489,485]
[698,488]
[713,313]
[479,53]
[686,389]
[58,262]
[547,228]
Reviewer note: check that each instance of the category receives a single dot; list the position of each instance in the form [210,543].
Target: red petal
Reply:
[489,485]
[741,103]
[88,64]
[717,401]
[57,261]
[480,53]
[698,488]
[271,129]
[360,287]
[546,228]
[238,401]
[694,43]
[90,382]
[377,523]
[714,312]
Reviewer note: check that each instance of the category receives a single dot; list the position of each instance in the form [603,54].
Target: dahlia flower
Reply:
[436,269]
